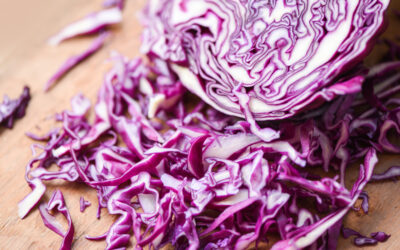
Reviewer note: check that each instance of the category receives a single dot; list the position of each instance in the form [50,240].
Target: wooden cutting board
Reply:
[25,59]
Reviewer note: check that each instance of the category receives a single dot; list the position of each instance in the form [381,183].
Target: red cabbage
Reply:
[361,240]
[380,236]
[83,204]
[389,174]
[32,199]
[364,196]
[112,3]
[57,202]
[201,173]
[10,110]
[88,25]
[178,171]
[285,55]
[71,62]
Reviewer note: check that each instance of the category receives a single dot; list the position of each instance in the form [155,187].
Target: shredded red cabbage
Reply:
[10,110]
[83,204]
[178,172]
[73,61]
[112,3]
[287,55]
[57,202]
[364,204]
[197,171]
[361,240]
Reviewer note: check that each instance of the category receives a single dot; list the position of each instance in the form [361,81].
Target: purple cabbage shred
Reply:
[83,204]
[13,109]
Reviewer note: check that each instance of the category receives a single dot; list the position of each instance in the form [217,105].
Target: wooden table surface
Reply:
[25,59]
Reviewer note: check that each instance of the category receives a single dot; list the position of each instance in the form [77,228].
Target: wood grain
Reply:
[26,59]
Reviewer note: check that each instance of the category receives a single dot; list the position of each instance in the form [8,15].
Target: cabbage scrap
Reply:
[90,24]
[73,61]
[10,110]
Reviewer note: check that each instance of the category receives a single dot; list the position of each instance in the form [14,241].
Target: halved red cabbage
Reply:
[284,55]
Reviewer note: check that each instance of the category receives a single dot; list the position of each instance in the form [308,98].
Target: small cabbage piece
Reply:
[73,61]
[57,202]
[286,55]
[309,234]
[391,174]
[196,178]
[365,198]
[10,110]
[174,170]
[83,204]
[90,24]
[33,198]
[361,240]
[111,3]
